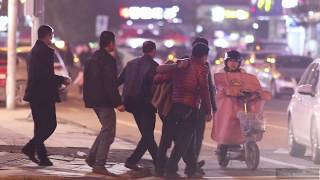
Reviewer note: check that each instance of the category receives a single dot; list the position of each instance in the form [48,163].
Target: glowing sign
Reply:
[218,14]
[265,4]
[266,7]
[147,13]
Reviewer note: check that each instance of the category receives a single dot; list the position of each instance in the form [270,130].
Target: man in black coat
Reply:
[137,77]
[42,93]
[100,92]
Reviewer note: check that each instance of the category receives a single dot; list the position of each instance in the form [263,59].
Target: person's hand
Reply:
[208,117]
[121,108]
[182,64]
[66,81]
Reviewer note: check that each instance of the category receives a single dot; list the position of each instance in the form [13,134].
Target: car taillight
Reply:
[3,76]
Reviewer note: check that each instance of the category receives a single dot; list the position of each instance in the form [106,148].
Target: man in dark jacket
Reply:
[100,92]
[137,95]
[42,93]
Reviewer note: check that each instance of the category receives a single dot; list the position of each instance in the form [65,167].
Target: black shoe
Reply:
[132,167]
[172,175]
[46,162]
[200,164]
[30,154]
[195,175]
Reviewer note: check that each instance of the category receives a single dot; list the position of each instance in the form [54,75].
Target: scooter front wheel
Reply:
[252,155]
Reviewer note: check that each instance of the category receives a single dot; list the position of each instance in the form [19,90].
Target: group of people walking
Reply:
[181,92]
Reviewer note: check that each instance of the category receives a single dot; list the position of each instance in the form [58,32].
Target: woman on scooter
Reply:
[226,127]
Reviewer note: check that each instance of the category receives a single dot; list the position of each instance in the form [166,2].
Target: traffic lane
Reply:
[273,155]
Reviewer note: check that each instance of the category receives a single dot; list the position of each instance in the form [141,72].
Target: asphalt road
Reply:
[274,157]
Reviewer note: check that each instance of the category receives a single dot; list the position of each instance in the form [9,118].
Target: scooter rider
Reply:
[226,128]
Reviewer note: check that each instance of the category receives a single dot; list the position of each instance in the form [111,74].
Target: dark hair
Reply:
[106,38]
[148,46]
[200,40]
[44,30]
[200,49]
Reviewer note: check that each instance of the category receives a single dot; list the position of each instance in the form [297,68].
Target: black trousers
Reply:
[145,118]
[45,122]
[167,135]
[185,118]
[199,133]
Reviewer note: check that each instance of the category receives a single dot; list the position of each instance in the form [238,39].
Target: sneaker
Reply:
[103,171]
[132,166]
[30,154]
[46,162]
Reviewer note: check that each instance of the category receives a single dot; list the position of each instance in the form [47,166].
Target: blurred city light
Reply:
[290,3]
[249,38]
[60,44]
[147,13]
[169,43]
[199,28]
[129,23]
[255,26]
[219,34]
[4,20]
[221,42]
[217,14]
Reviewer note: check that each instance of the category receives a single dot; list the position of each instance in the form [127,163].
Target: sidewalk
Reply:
[67,148]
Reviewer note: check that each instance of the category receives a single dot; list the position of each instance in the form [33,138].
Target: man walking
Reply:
[137,95]
[190,88]
[42,93]
[100,92]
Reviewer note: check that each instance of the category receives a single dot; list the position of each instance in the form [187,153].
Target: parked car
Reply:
[278,73]
[304,116]
[21,73]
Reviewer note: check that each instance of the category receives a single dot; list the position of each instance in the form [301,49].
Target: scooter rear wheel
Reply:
[252,155]
[222,156]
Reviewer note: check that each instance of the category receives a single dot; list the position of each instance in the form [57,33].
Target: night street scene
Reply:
[159,89]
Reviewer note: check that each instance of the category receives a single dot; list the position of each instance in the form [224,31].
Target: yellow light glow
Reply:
[218,61]
[258,48]
[236,14]
[171,57]
[268,5]
[276,75]
[266,70]
[59,44]
[76,59]
[247,62]
[252,60]
[261,4]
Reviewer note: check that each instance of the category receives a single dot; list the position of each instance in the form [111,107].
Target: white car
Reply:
[304,114]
